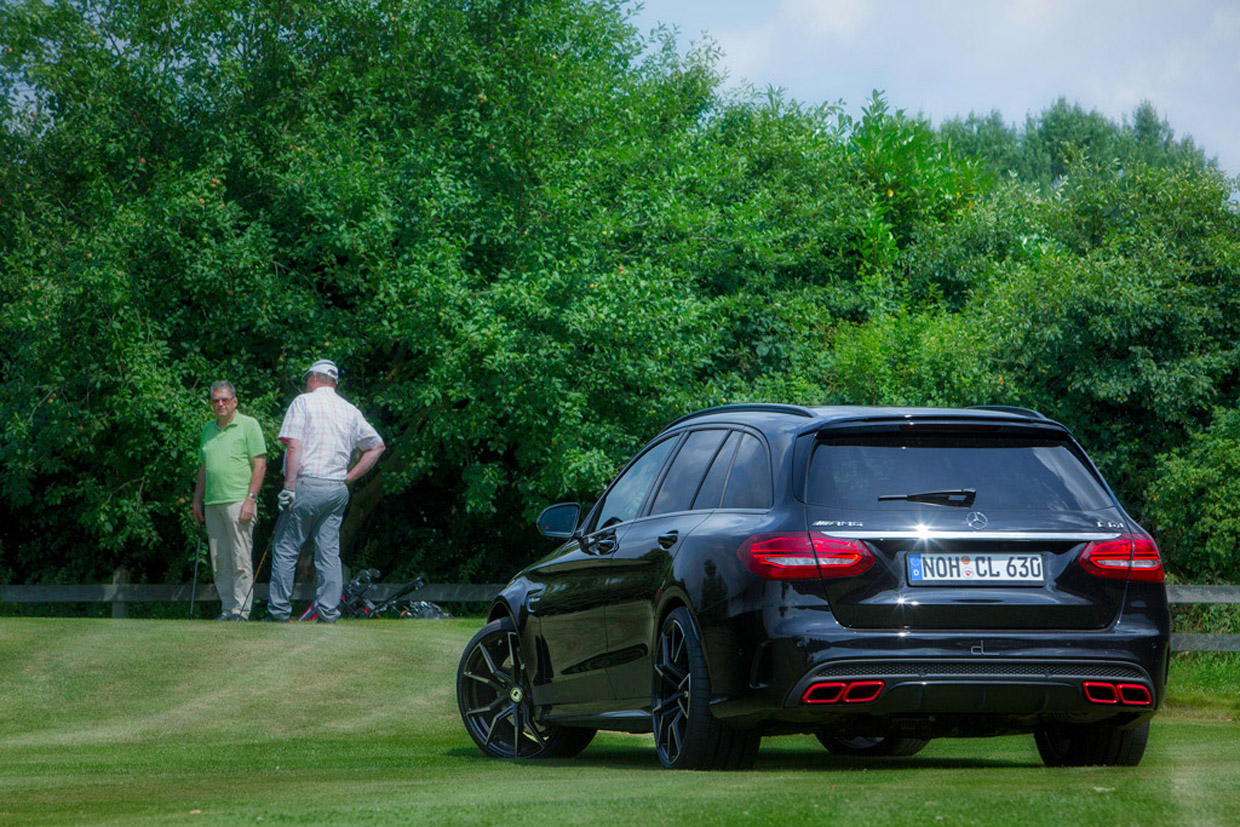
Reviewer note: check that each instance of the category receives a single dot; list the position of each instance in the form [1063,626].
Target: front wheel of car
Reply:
[687,735]
[863,747]
[1102,744]
[493,694]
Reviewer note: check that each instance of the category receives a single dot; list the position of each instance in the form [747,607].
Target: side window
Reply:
[712,487]
[749,484]
[681,483]
[622,502]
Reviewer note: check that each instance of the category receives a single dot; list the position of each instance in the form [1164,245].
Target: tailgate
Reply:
[948,582]
[970,527]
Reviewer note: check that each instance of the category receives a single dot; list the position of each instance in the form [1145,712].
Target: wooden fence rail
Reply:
[1181,642]
[141,593]
[118,594]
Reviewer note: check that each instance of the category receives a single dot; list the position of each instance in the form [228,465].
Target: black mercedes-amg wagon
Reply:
[875,576]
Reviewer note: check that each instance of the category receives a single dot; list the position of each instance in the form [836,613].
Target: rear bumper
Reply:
[1010,688]
[940,682]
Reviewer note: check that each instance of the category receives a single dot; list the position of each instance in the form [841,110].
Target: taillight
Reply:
[1127,557]
[804,556]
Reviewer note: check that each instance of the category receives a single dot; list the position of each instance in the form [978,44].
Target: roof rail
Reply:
[754,407]
[1012,409]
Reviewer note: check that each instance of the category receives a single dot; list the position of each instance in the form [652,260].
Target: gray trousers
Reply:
[317,512]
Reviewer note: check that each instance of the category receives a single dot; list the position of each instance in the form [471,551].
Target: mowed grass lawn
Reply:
[144,721]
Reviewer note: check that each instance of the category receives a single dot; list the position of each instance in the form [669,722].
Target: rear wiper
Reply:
[958,497]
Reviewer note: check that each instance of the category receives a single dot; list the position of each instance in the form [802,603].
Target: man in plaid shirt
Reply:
[320,431]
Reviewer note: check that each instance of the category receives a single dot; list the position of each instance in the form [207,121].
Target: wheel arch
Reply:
[671,599]
[512,602]
[675,598]
[500,609]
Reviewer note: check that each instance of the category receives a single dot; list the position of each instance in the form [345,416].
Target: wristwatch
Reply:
[252,496]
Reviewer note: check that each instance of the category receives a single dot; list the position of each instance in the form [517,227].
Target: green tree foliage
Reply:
[1125,322]
[1051,142]
[1195,501]
[228,190]
[531,236]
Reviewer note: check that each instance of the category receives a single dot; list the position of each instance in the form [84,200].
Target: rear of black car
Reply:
[959,574]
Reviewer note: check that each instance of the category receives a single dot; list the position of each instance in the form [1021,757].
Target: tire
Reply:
[493,695]
[862,747]
[1080,745]
[687,735]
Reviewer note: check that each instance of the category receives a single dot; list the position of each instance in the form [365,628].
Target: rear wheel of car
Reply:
[687,735]
[1079,745]
[493,695]
[863,747]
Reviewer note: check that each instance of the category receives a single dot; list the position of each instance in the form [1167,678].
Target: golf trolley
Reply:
[354,602]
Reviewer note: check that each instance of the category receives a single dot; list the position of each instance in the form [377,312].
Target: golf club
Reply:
[275,532]
[193,589]
[412,586]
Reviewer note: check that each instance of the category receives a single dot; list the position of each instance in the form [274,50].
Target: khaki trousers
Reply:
[232,544]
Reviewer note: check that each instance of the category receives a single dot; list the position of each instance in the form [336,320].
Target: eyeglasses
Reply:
[224,401]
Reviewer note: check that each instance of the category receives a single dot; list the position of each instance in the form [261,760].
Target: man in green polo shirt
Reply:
[232,460]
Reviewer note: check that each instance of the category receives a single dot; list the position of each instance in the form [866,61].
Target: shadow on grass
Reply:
[644,758]
[809,761]
[630,758]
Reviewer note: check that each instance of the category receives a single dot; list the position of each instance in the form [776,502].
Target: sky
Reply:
[947,58]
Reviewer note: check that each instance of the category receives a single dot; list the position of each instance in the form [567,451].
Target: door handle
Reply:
[669,539]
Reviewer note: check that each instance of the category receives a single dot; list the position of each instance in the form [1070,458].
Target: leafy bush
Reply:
[1194,503]
[531,236]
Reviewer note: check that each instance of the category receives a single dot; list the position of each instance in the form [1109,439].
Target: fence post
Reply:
[120,577]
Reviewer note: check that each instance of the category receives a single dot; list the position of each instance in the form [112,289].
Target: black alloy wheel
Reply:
[494,698]
[687,735]
[863,747]
[1102,744]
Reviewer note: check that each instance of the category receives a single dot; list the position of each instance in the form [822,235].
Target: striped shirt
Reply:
[329,429]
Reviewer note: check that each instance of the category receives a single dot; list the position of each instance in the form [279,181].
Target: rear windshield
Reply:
[1007,472]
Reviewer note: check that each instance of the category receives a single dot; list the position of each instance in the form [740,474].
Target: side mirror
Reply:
[559,521]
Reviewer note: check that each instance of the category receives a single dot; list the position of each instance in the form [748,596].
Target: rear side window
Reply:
[1008,472]
[685,476]
[709,494]
[625,498]
[749,484]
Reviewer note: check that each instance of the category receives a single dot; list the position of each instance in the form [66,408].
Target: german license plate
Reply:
[982,569]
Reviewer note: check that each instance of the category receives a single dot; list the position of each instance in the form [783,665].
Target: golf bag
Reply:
[354,602]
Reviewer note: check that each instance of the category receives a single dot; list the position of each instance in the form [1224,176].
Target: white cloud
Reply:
[747,51]
[1030,12]
[834,19]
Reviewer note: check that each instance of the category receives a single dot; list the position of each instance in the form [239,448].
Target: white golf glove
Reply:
[286,498]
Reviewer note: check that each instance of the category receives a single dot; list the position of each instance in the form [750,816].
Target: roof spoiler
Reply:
[751,407]
[1012,409]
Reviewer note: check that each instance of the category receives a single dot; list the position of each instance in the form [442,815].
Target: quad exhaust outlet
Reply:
[1129,694]
[851,692]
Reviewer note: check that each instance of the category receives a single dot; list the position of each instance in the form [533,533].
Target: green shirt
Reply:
[226,455]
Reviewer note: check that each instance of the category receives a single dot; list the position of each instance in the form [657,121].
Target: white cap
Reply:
[324,366]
